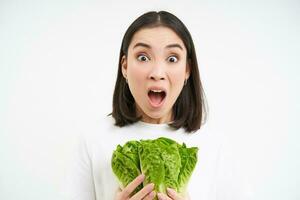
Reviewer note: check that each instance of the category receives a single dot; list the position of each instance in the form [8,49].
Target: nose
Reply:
[157,72]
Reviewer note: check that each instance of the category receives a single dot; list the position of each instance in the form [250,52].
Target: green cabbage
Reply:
[163,161]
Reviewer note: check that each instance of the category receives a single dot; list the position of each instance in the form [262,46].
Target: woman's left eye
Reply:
[143,58]
[172,59]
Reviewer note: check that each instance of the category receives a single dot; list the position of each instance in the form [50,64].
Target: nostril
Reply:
[157,78]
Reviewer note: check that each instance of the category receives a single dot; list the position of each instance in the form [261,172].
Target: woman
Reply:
[158,93]
[158,80]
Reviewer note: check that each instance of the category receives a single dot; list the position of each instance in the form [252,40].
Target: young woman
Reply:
[158,80]
[158,92]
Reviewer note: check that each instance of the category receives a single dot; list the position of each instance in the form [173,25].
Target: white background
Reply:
[58,64]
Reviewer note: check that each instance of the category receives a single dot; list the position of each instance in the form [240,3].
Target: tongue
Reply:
[156,97]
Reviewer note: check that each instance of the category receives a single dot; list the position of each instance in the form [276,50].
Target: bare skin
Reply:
[147,193]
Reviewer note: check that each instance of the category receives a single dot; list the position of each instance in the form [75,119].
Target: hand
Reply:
[172,195]
[146,193]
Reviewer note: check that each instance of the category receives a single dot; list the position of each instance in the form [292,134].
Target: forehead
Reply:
[157,37]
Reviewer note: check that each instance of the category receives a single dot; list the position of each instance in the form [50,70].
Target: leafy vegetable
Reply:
[163,161]
[125,164]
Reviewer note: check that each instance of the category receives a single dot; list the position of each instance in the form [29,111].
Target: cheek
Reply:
[177,79]
[136,76]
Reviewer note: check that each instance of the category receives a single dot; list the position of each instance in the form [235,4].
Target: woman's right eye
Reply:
[143,58]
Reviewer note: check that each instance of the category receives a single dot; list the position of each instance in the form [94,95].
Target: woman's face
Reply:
[156,69]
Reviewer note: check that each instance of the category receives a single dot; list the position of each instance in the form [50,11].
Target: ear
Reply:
[188,70]
[124,66]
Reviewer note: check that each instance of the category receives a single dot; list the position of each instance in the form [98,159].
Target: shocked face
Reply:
[156,68]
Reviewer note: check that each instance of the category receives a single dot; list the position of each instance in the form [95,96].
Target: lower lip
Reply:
[157,105]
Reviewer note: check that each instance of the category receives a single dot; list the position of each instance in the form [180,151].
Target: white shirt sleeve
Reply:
[79,184]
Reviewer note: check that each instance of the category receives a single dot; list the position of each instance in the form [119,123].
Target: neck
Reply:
[155,120]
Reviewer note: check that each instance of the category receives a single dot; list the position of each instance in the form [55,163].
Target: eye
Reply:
[143,58]
[172,59]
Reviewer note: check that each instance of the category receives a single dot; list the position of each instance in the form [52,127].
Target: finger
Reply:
[132,185]
[118,191]
[162,196]
[118,194]
[150,196]
[173,194]
[143,192]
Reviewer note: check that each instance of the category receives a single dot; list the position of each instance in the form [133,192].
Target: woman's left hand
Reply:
[172,195]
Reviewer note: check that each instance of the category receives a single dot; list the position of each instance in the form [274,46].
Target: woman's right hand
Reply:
[146,193]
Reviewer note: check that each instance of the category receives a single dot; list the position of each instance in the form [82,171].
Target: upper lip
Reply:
[157,88]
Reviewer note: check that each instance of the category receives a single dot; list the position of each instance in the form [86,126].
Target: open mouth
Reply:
[156,97]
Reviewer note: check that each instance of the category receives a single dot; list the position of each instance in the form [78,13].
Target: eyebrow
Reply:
[141,44]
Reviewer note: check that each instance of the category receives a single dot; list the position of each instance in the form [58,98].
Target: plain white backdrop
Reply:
[58,65]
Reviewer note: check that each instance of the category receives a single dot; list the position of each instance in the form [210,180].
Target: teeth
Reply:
[156,90]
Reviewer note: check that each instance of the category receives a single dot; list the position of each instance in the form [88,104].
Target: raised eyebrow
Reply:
[141,44]
[174,45]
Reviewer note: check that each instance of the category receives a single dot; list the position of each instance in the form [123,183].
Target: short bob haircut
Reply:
[190,108]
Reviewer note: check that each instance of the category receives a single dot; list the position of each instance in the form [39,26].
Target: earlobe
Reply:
[124,66]
[188,71]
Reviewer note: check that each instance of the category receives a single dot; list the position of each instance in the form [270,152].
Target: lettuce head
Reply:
[164,162]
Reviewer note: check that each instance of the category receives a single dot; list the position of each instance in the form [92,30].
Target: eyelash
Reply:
[175,56]
[142,55]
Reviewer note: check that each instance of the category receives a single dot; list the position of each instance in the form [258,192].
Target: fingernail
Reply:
[152,194]
[142,176]
[152,185]
[159,196]
[170,190]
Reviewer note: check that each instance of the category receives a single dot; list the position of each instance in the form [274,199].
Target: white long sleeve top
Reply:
[90,176]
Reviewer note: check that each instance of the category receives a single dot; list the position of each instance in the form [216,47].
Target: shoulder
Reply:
[97,130]
[206,138]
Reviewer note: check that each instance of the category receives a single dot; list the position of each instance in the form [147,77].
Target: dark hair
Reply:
[190,108]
